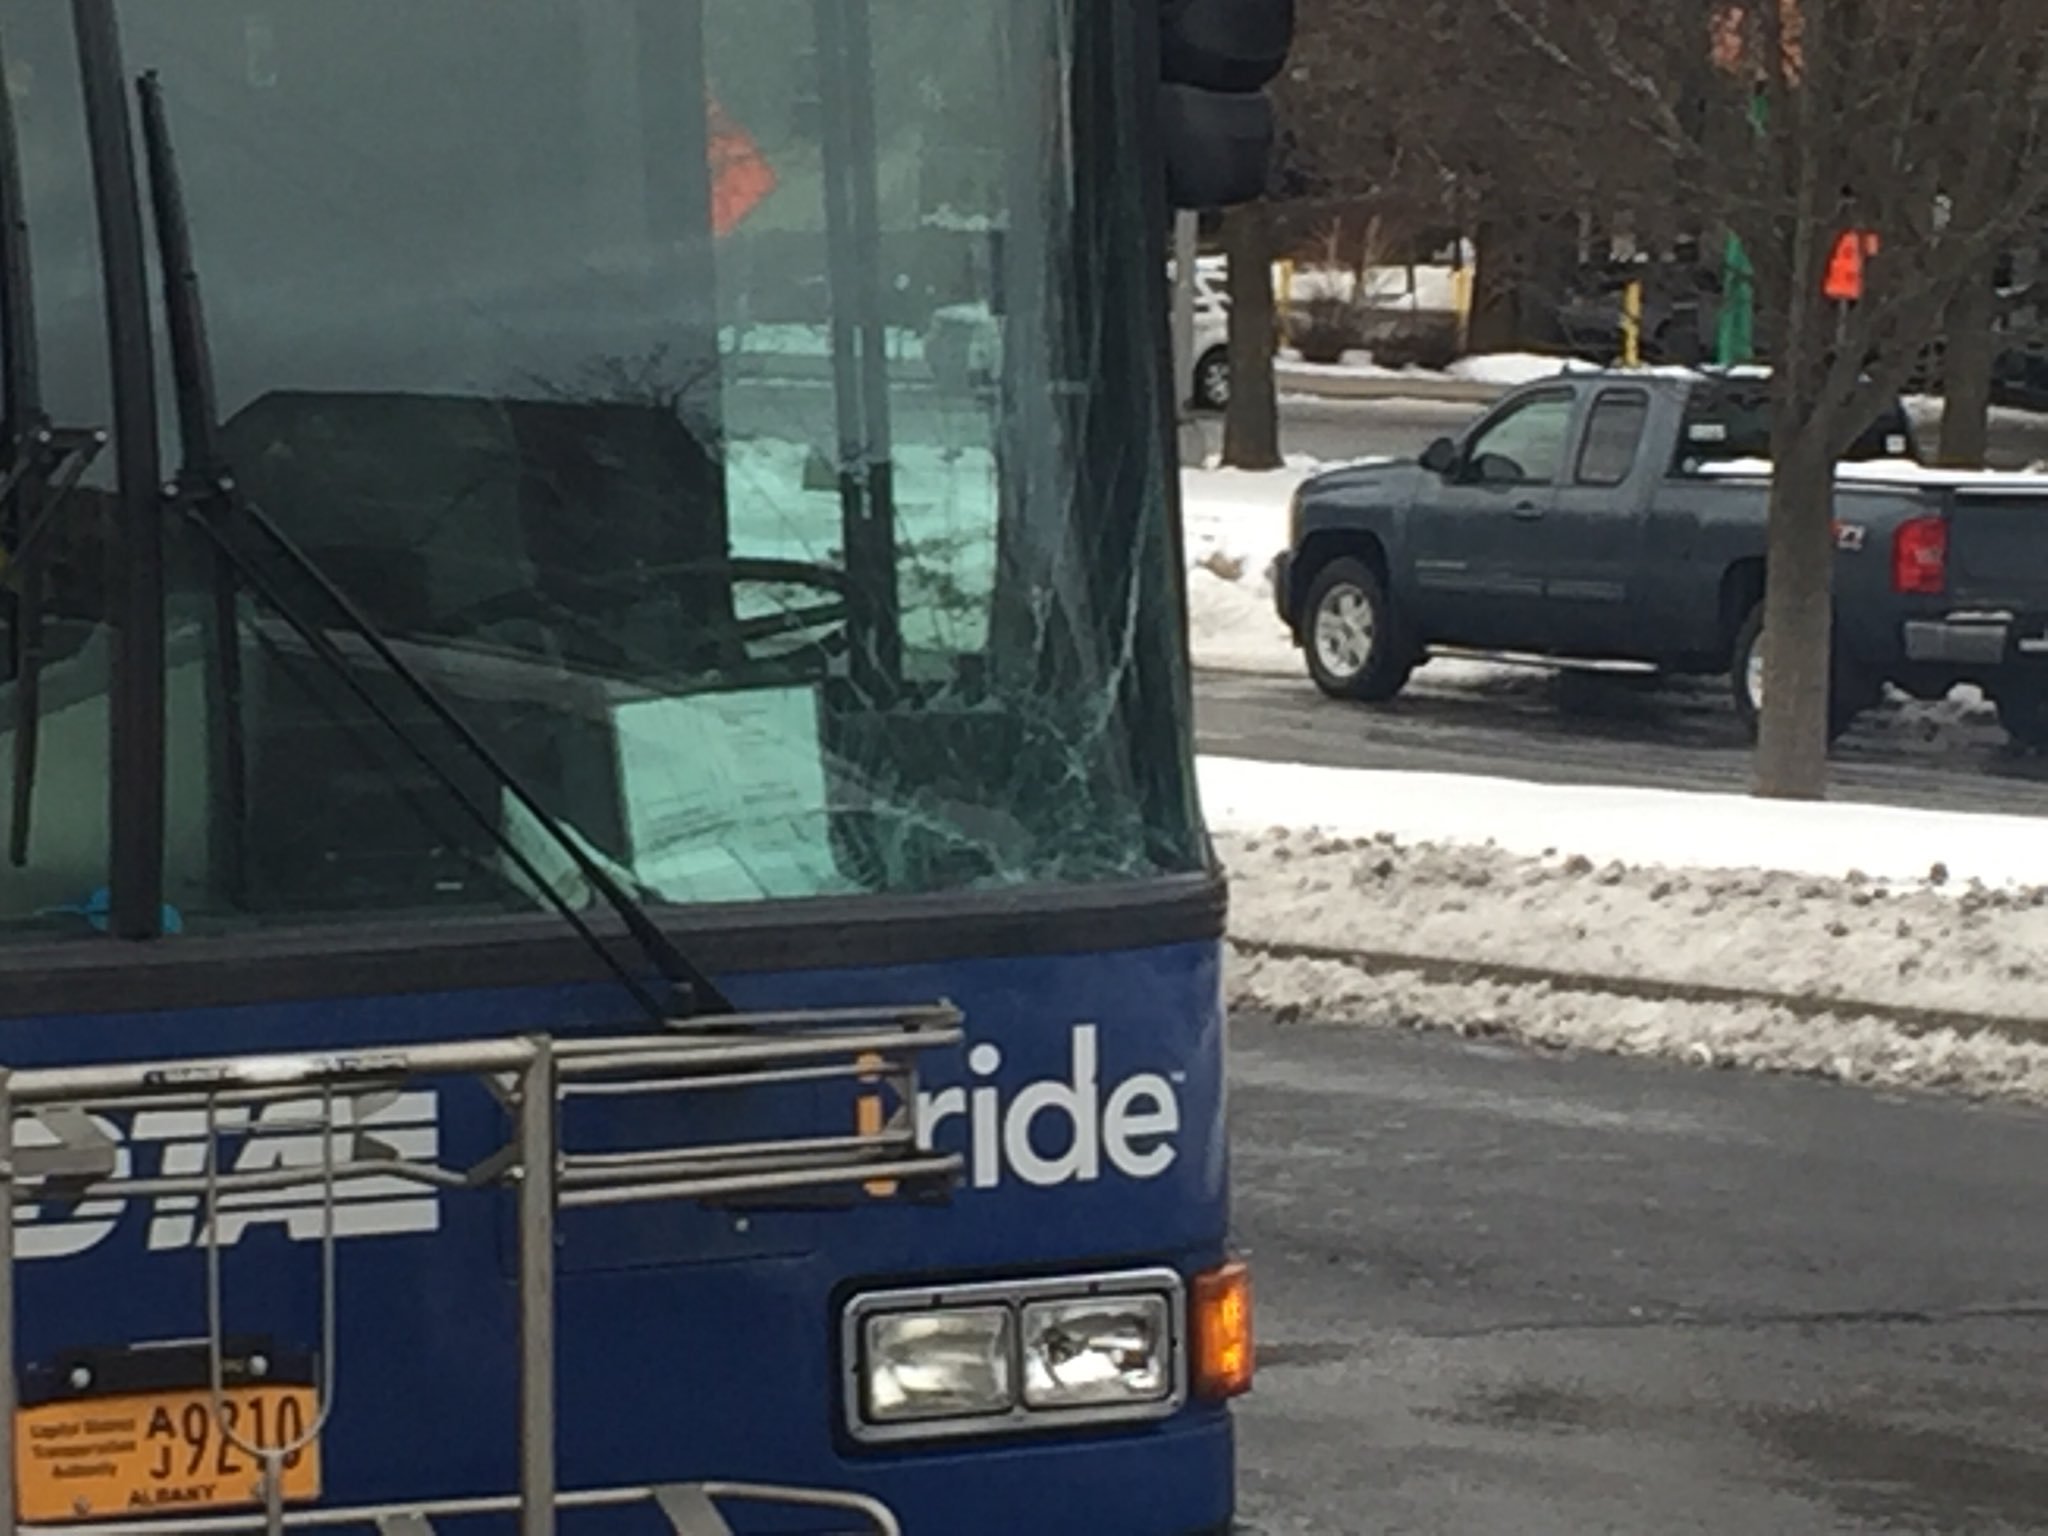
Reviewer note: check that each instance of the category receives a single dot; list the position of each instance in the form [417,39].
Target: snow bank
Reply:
[1427,902]
[1864,1051]
[1638,827]
[1234,524]
[1232,626]
[1828,942]
[1511,370]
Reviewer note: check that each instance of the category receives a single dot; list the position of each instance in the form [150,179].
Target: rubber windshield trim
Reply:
[387,959]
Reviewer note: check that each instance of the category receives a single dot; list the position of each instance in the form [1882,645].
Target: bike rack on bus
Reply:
[532,1076]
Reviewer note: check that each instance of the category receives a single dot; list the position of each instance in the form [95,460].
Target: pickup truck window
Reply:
[1526,446]
[1614,435]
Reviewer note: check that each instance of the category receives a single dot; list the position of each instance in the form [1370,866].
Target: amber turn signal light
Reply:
[1222,1332]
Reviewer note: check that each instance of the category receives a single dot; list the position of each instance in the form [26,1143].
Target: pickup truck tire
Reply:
[1848,697]
[1356,644]
[2023,711]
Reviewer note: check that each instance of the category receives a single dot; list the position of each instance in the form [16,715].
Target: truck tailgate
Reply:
[1998,548]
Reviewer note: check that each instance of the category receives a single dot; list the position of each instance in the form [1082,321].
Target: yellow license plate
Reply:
[108,1457]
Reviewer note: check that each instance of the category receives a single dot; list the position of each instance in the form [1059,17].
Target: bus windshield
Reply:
[744,412]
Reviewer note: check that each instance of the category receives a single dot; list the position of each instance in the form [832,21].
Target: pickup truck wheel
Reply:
[2023,711]
[1848,695]
[1355,642]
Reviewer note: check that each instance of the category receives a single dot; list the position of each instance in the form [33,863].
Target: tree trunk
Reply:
[1251,424]
[1496,322]
[1798,643]
[1972,350]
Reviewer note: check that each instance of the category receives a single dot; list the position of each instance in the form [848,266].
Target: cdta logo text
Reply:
[1053,1131]
[1067,1129]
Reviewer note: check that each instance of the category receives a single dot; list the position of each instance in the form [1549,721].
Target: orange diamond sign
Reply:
[741,177]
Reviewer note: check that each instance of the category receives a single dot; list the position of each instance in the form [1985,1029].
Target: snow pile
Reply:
[1842,940]
[1232,626]
[1511,370]
[1849,943]
[1234,525]
[1865,1051]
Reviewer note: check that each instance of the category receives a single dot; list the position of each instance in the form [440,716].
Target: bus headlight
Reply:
[1097,1351]
[1015,1356]
[926,1365]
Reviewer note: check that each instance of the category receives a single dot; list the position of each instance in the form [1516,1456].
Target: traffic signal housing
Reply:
[1217,57]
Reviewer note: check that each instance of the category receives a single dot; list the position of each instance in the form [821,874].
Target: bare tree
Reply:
[1902,118]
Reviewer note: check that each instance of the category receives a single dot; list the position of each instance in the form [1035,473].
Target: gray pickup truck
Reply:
[1613,516]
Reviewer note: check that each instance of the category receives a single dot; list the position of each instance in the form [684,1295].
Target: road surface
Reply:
[1595,730]
[1549,1297]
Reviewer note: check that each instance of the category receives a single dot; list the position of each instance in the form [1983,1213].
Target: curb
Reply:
[1295,380]
[1436,968]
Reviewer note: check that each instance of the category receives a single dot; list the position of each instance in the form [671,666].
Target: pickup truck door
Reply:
[1477,529]
[1590,554]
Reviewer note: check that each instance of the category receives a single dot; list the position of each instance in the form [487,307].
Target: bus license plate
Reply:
[112,1457]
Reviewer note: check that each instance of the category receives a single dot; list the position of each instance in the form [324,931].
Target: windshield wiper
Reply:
[257,554]
[40,466]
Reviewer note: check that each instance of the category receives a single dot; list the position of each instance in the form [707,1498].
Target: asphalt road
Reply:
[1531,1295]
[1601,730]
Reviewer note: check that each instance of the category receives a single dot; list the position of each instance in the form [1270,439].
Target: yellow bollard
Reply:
[1632,325]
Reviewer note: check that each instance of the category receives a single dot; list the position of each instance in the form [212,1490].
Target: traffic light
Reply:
[1217,57]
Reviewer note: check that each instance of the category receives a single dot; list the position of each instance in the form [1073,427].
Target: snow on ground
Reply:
[1977,950]
[1843,908]
[1862,1050]
[1510,370]
[1235,523]
[1232,626]
[1640,827]
[1232,516]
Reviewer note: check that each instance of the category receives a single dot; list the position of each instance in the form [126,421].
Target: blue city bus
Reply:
[506,623]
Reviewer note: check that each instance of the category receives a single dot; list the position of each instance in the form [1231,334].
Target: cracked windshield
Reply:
[1308,739]
[689,395]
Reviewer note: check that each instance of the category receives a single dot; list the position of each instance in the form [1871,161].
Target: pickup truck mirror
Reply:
[1495,469]
[1441,457]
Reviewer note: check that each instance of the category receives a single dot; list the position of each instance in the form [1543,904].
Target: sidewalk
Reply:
[1641,828]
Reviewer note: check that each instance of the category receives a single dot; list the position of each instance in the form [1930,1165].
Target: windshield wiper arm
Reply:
[231,522]
[43,465]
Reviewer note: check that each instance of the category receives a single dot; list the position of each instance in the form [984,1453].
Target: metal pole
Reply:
[7,1372]
[1186,232]
[536,1293]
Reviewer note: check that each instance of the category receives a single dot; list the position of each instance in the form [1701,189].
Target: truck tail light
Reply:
[1920,557]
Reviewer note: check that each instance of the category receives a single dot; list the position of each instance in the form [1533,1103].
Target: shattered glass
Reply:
[746,414]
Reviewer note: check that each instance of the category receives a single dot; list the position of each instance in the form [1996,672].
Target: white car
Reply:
[963,348]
